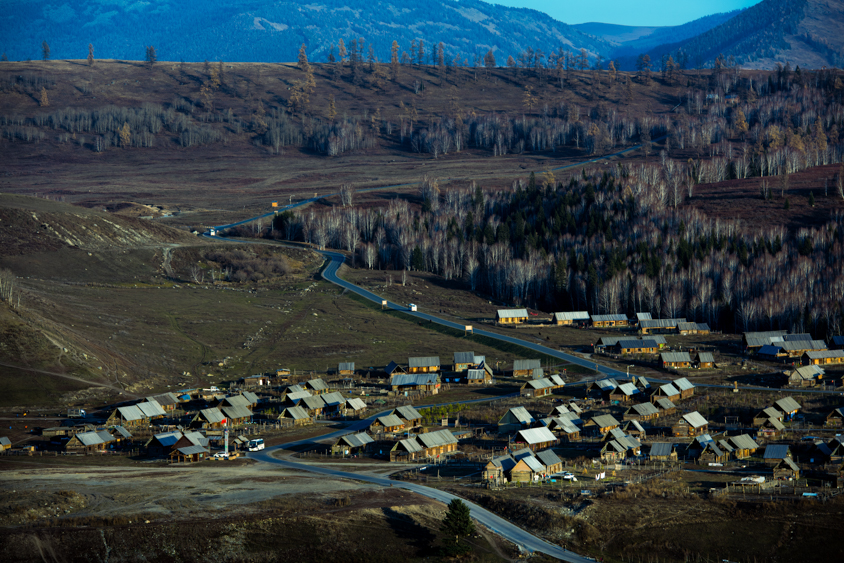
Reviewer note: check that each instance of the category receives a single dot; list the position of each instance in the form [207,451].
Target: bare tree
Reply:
[7,286]
[197,275]
[346,195]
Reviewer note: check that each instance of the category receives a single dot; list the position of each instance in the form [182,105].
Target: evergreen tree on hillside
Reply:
[90,54]
[456,524]
[341,51]
[303,64]
[489,59]
[45,50]
[394,60]
[151,57]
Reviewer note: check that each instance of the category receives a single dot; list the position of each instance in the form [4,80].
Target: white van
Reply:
[412,307]
[255,445]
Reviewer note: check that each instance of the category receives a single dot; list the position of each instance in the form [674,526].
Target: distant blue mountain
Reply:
[267,31]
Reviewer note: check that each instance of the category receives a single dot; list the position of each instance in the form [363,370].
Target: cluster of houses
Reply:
[643,321]
[779,345]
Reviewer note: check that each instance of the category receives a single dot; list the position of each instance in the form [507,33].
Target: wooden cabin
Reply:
[704,360]
[675,360]
[601,424]
[625,393]
[346,368]
[463,361]
[692,424]
[535,438]
[525,368]
[423,364]
[627,346]
[610,321]
[415,382]
[571,318]
[656,326]
[89,442]
[835,419]
[823,357]
[786,470]
[642,411]
[536,388]
[514,419]
[685,387]
[297,415]
[663,451]
[386,424]
[744,446]
[188,454]
[686,328]
[511,316]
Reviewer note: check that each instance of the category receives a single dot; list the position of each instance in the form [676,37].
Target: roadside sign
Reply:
[275,204]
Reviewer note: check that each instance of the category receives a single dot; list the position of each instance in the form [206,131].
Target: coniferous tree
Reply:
[151,56]
[90,54]
[394,60]
[45,50]
[489,59]
[341,51]
[457,523]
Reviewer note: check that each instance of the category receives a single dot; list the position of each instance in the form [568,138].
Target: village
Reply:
[535,425]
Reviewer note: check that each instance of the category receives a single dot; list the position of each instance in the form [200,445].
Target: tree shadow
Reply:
[416,535]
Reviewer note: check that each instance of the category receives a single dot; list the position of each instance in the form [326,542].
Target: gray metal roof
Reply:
[192,450]
[769,350]
[769,334]
[705,357]
[609,340]
[788,405]
[572,316]
[333,399]
[165,399]
[512,313]
[771,412]
[604,420]
[522,415]
[94,438]
[296,413]
[744,442]
[675,357]
[725,446]
[606,318]
[574,407]
[536,435]
[401,379]
[798,345]
[757,341]
[534,464]
[520,365]
[566,425]
[824,354]
[557,380]
[313,402]
[357,440]
[390,420]
[635,424]
[796,337]
[197,438]
[408,412]
[669,390]
[636,344]
[436,438]
[693,326]
[317,384]
[251,397]
[355,404]
[296,389]
[151,408]
[212,415]
[539,384]
[666,403]
[661,449]
[658,338]
[644,316]
[683,384]
[522,453]
[645,409]
[505,462]
[123,432]
[131,413]
[776,451]
[464,357]
[695,419]
[661,323]
[559,409]
[346,366]
[4,441]
[235,401]
[298,395]
[236,412]
[628,389]
[606,384]
[411,445]
[475,373]
[424,362]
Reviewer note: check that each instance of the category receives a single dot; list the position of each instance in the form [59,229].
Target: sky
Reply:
[629,12]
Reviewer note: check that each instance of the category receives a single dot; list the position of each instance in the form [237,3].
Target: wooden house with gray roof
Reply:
[536,438]
[95,441]
[536,388]
[498,468]
[627,346]
[297,415]
[686,328]
[569,318]
[346,368]
[438,443]
[316,386]
[386,424]
[704,360]
[685,387]
[786,470]
[641,411]
[601,424]
[835,419]
[691,425]
[665,406]
[675,360]
[409,416]
[665,391]
[5,443]
[463,361]
[822,357]
[511,316]
[208,418]
[744,446]
[514,419]
[415,382]
[610,321]
[625,393]
[352,444]
[525,368]
[423,364]
[566,430]
[651,326]
[788,406]
[662,451]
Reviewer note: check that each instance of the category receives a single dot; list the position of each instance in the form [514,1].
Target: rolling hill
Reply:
[264,31]
[801,32]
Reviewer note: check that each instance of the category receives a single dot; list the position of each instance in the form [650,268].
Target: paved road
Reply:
[495,523]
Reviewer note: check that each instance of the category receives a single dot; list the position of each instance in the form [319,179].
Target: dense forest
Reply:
[623,239]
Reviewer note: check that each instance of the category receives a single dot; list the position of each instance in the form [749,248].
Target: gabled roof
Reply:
[346,366]
[787,405]
[505,462]
[790,464]
[334,399]
[661,323]
[668,389]
[235,401]
[771,412]
[810,372]
[683,384]
[566,425]
[636,344]
[357,440]
[4,441]
[609,340]
[538,384]
[695,419]
[236,412]
[838,340]
[536,435]
[629,442]
[803,345]
[123,432]
[572,316]
[165,399]
[606,318]
[534,464]
[574,407]
[298,395]
[660,449]
[520,365]
[522,453]
[824,354]
[769,350]
[644,409]
[643,316]
[604,420]
[522,415]
[317,384]
[635,424]
[390,420]
[776,451]
[511,313]
[197,439]
[392,367]
[629,389]
[706,357]
[725,446]
[296,413]
[296,389]
[436,438]
[251,397]
[475,374]
[408,412]
[775,423]
[796,337]
[313,402]
[464,357]
[355,404]
[212,415]
[675,357]
[559,409]
[744,442]
[131,413]
[402,379]
[411,445]
[94,438]
[557,380]
[665,403]
[606,384]
[150,408]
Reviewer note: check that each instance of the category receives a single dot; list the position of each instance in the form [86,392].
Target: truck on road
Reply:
[76,413]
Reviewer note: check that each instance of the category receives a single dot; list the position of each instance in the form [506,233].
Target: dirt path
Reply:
[88,382]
